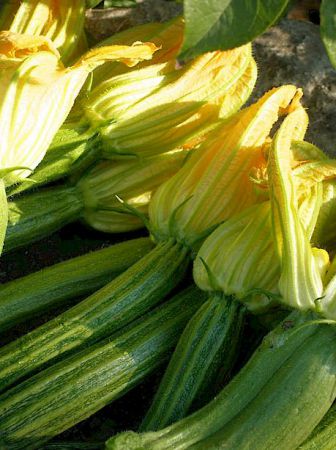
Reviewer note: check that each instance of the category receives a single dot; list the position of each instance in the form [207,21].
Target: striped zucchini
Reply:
[72,390]
[41,291]
[127,297]
[267,406]
[33,217]
[208,345]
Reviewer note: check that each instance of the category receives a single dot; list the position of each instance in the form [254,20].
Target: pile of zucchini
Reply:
[238,210]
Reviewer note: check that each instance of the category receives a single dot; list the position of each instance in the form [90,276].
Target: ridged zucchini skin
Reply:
[34,216]
[267,405]
[38,292]
[207,345]
[125,298]
[72,390]
[324,435]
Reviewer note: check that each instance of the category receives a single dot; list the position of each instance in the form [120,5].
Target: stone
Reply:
[292,52]
[102,23]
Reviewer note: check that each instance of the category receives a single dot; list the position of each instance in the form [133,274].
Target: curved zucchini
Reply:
[72,390]
[267,405]
[127,297]
[208,345]
[41,291]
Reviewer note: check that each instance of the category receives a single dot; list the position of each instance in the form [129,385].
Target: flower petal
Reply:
[300,282]
[215,183]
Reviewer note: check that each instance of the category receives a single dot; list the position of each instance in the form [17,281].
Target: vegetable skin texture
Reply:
[61,283]
[70,391]
[267,380]
[124,299]
[208,345]
[323,436]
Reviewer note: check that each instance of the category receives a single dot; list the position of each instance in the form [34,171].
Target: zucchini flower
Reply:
[37,93]
[239,259]
[158,108]
[62,21]
[131,113]
[300,281]
[167,36]
[215,182]
[112,196]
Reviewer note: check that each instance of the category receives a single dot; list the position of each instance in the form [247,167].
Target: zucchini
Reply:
[41,291]
[293,368]
[127,297]
[93,199]
[324,435]
[35,216]
[68,392]
[207,345]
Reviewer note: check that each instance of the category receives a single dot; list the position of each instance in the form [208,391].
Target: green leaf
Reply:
[224,24]
[328,28]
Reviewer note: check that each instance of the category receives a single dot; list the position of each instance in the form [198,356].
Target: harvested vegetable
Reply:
[76,145]
[128,115]
[59,397]
[96,198]
[176,230]
[292,366]
[32,74]
[53,286]
[267,405]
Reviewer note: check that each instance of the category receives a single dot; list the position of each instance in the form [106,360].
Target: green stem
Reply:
[208,344]
[289,350]
[72,390]
[127,297]
[42,291]
[32,217]
[74,148]
[3,214]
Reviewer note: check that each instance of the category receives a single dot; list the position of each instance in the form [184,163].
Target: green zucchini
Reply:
[208,344]
[324,435]
[92,199]
[127,297]
[41,291]
[267,405]
[75,388]
[35,216]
